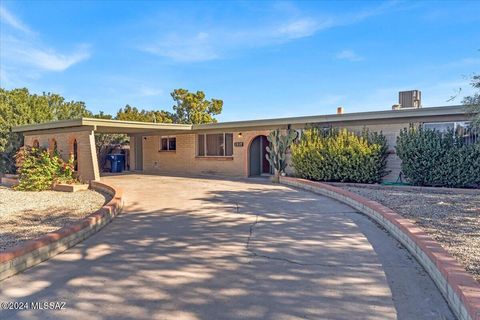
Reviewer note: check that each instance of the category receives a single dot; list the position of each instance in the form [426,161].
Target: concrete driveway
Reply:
[193,248]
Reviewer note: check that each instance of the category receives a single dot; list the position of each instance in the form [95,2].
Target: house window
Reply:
[461,129]
[215,145]
[168,143]
[443,127]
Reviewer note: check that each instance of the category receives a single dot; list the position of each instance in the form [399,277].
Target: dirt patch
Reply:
[28,215]
[453,219]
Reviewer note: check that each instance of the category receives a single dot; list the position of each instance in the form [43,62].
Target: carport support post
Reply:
[136,152]
[87,157]
[132,152]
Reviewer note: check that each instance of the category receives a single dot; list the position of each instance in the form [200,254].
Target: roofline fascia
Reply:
[346,117]
[357,116]
[94,122]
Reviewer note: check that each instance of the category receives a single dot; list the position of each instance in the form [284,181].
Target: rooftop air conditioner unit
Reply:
[410,99]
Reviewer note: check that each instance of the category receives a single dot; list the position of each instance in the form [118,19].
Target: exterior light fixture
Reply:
[240,135]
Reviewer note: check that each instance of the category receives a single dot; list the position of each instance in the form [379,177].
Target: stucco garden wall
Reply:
[87,155]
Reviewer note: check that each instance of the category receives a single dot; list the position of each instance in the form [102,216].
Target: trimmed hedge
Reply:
[432,158]
[340,156]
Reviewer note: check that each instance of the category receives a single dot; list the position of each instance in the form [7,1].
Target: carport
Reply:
[76,138]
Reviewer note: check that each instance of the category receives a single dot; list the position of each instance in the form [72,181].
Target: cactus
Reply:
[277,150]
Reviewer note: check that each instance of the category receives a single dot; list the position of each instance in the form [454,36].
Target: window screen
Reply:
[164,144]
[172,143]
[215,145]
[229,144]
[168,144]
[201,145]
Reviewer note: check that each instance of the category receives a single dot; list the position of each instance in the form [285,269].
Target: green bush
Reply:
[39,169]
[431,158]
[340,156]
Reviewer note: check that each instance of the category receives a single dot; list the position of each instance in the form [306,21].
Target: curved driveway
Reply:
[196,248]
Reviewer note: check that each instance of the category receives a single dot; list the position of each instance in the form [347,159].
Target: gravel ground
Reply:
[28,215]
[453,219]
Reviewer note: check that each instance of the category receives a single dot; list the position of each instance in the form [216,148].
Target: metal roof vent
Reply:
[410,99]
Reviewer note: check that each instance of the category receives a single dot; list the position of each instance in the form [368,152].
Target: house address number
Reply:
[238,144]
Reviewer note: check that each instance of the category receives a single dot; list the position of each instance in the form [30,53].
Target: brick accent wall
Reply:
[185,161]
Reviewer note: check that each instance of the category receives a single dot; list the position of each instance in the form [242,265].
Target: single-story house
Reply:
[228,148]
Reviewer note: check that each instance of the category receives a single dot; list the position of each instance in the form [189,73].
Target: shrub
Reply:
[340,156]
[39,169]
[432,158]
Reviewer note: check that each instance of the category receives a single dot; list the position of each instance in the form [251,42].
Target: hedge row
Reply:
[432,158]
[339,155]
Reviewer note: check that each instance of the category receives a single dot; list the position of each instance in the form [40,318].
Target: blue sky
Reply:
[264,59]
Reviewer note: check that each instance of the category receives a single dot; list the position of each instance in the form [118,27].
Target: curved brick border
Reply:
[458,287]
[32,252]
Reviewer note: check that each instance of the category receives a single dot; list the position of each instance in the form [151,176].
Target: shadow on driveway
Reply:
[216,249]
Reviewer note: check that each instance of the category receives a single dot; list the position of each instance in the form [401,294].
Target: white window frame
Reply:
[205,145]
[168,143]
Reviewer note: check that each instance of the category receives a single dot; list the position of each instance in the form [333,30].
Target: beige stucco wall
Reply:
[87,155]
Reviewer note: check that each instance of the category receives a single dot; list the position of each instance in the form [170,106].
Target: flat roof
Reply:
[105,126]
[118,126]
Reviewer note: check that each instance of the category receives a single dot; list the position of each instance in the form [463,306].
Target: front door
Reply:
[258,163]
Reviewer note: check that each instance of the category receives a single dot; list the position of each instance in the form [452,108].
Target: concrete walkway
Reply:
[190,248]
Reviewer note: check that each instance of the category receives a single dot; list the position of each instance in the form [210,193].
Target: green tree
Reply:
[473,101]
[129,113]
[19,107]
[193,108]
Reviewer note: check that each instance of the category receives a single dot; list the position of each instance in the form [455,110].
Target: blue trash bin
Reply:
[117,162]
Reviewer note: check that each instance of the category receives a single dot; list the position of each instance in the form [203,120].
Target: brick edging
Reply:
[459,288]
[32,252]
[407,188]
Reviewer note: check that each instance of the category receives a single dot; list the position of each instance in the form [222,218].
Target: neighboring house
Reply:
[229,148]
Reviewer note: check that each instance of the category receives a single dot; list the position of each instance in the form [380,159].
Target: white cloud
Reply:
[299,28]
[20,52]
[213,42]
[8,18]
[185,49]
[24,55]
[349,55]
[54,61]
